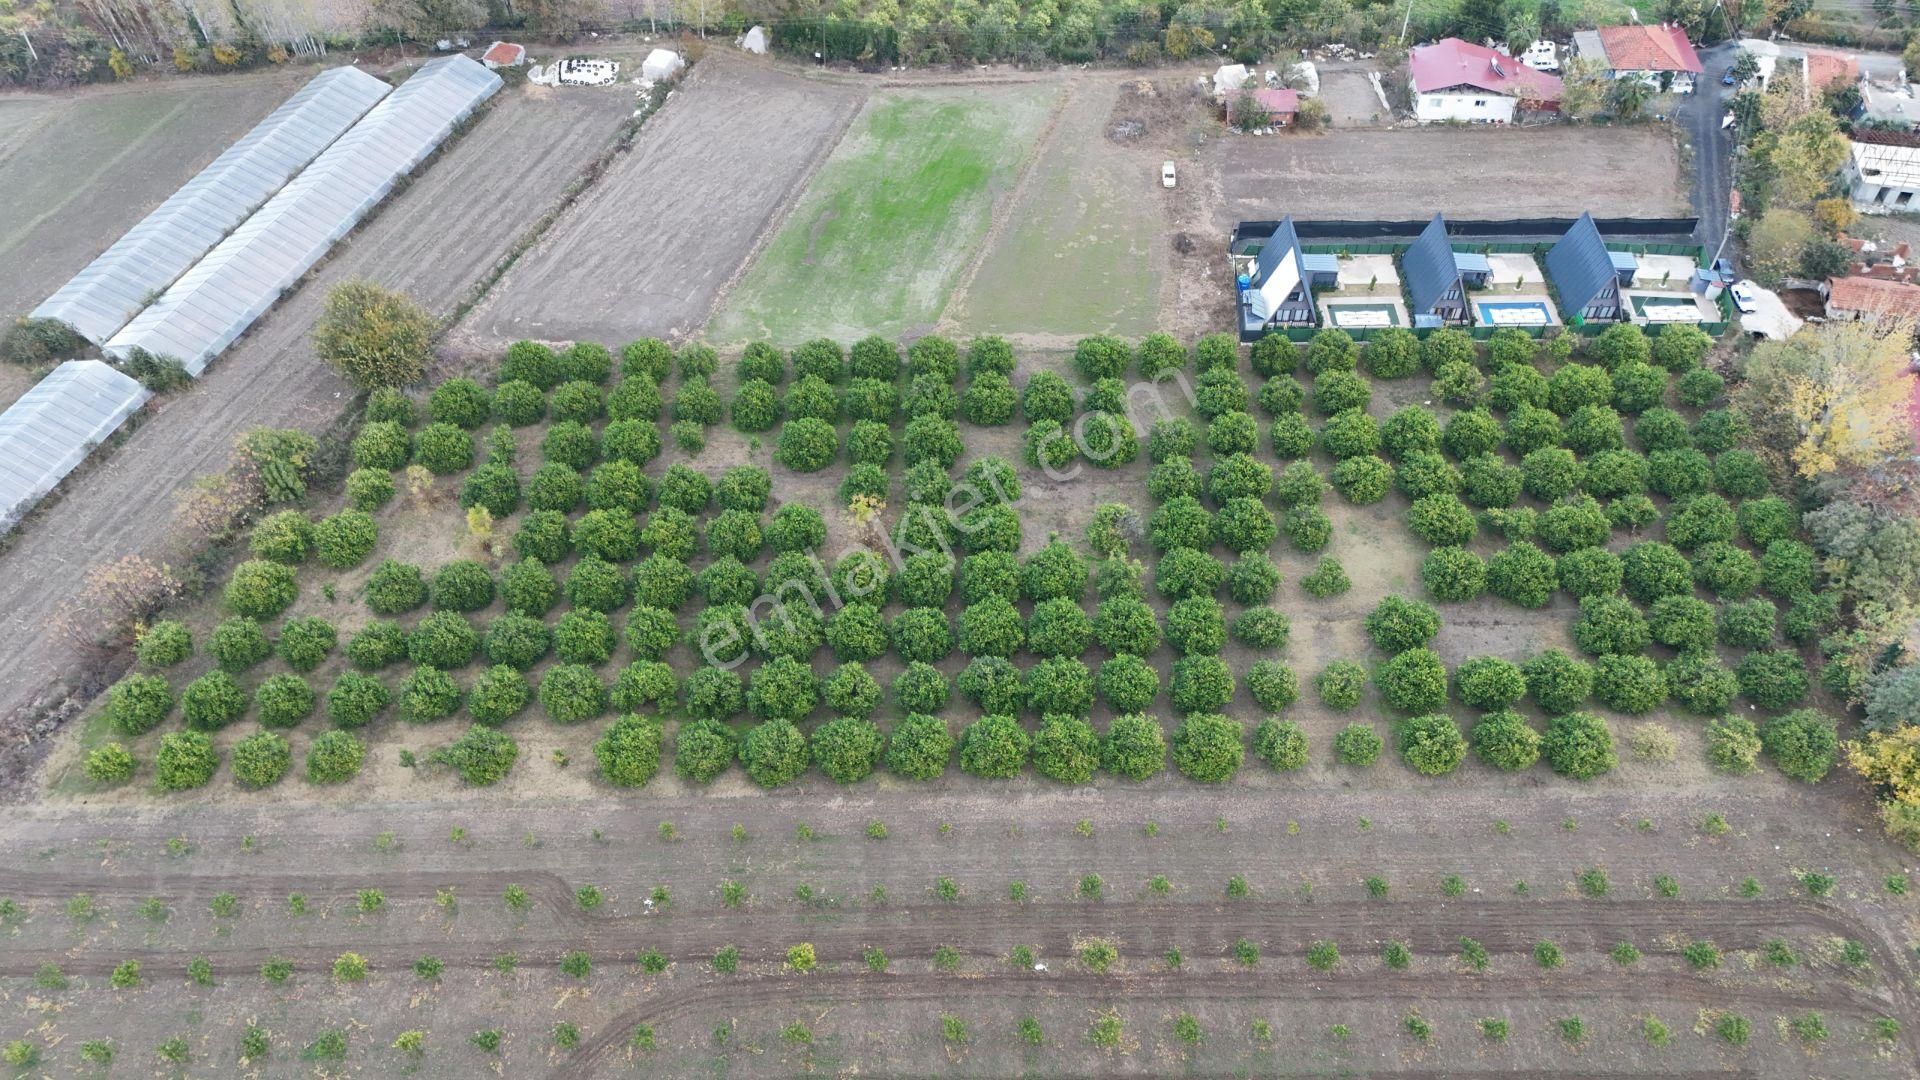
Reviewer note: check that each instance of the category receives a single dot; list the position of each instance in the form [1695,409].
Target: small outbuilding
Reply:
[504,54]
[661,65]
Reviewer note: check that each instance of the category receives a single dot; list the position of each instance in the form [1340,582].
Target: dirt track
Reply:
[650,248]
[433,240]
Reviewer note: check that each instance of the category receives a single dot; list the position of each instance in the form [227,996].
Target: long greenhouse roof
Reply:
[214,302]
[111,290]
[53,426]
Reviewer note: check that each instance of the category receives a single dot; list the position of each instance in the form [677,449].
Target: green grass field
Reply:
[880,238]
[1076,254]
[95,135]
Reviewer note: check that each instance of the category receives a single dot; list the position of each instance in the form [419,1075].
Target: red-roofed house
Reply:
[1660,56]
[1455,80]
[1871,298]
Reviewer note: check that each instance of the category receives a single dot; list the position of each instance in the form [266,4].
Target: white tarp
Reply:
[54,425]
[112,289]
[215,302]
[1271,293]
[1229,79]
[754,41]
[661,65]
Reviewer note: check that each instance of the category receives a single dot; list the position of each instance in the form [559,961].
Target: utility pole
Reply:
[1405,22]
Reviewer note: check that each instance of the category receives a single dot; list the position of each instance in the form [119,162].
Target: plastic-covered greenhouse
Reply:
[215,301]
[50,430]
[114,287]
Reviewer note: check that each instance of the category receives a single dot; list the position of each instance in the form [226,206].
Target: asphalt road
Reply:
[1700,114]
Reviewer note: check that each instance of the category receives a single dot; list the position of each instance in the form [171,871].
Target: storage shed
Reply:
[51,429]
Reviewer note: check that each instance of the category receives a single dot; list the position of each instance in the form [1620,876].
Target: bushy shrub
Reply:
[1291,436]
[1529,428]
[1336,391]
[1273,685]
[1060,684]
[756,408]
[850,690]
[1327,579]
[1134,747]
[283,701]
[1590,571]
[1362,480]
[1280,743]
[1489,683]
[1516,384]
[1209,747]
[1725,570]
[1678,347]
[994,747]
[1747,624]
[1574,523]
[1350,434]
[1634,511]
[1762,521]
[382,445]
[165,643]
[1594,428]
[571,693]
[782,689]
[1263,629]
[282,537]
[443,640]
[1699,520]
[1575,385]
[1773,679]
[596,585]
[482,757]
[1460,384]
[1630,684]
[920,747]
[1551,473]
[238,643]
[212,701]
[1358,745]
[921,688]
[1219,391]
[628,752]
[1392,354]
[1281,395]
[426,695]
[1718,430]
[1413,681]
[584,637]
[703,749]
[1740,474]
[1609,624]
[1446,346]
[498,694]
[369,489]
[1397,624]
[1616,472]
[1652,569]
[1442,520]
[261,759]
[376,645]
[775,753]
[185,759]
[260,589]
[857,632]
[462,585]
[555,488]
[110,764]
[345,539]
[1188,572]
[1700,683]
[1470,433]
[1065,749]
[137,703]
[1638,387]
[1128,683]
[1308,528]
[1578,745]
[444,449]
[921,634]
[1522,574]
[1787,568]
[1195,624]
[847,748]
[807,444]
[1680,472]
[712,693]
[1341,684]
[1506,741]
[1558,683]
[1431,744]
[643,684]
[658,581]
[355,699]
[1425,472]
[1803,743]
[1681,622]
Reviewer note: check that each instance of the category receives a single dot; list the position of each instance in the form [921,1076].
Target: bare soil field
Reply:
[846,892]
[1350,98]
[1462,172]
[434,240]
[648,250]
[79,169]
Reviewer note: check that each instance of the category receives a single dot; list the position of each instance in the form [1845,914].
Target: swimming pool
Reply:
[1362,316]
[1513,313]
[1666,309]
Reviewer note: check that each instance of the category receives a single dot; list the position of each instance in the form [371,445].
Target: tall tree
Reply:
[374,336]
[1832,397]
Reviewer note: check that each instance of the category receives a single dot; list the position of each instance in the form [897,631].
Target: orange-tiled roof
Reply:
[1826,68]
[504,52]
[1649,48]
[1873,296]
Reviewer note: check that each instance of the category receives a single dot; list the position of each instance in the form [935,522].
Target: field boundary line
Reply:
[997,223]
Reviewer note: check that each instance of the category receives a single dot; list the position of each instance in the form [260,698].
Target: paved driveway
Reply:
[1700,114]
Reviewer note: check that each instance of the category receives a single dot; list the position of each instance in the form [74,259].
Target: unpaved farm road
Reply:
[433,240]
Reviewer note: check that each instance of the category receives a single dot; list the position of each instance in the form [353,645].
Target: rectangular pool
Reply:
[1513,313]
[1667,309]
[1362,316]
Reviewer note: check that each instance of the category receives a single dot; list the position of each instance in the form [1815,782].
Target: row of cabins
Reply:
[1435,282]
[1456,81]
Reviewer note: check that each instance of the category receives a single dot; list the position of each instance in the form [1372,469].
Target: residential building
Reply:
[1279,291]
[1583,273]
[1888,102]
[1455,80]
[1857,297]
[1883,170]
[1660,56]
[1281,104]
[1433,277]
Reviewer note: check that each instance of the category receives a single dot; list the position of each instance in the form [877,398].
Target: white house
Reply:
[1883,170]
[1660,56]
[1455,80]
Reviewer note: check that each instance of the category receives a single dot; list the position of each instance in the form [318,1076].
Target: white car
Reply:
[1166,174]
[1743,297]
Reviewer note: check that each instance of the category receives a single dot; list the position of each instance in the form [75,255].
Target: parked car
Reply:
[1166,174]
[1743,301]
[1727,79]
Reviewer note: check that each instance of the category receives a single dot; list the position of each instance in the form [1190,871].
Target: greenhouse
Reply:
[219,298]
[50,430]
[111,290]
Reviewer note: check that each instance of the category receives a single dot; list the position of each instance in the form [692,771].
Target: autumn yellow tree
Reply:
[1806,156]
[1890,761]
[1775,242]
[1832,397]
[374,336]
